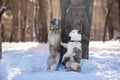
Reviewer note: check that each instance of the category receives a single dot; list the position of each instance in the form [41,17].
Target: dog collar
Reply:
[75,41]
[55,29]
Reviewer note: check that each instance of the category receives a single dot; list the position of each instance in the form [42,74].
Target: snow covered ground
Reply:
[27,61]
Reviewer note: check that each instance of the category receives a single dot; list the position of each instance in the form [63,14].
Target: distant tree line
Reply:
[106,20]
[24,20]
[112,19]
[28,20]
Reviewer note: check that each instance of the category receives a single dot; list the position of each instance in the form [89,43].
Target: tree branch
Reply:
[3,8]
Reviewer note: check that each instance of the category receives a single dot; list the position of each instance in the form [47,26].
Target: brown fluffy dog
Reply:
[54,38]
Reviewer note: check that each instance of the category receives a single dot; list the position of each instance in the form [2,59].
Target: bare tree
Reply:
[2,9]
[13,5]
[19,20]
[109,2]
[112,20]
[43,20]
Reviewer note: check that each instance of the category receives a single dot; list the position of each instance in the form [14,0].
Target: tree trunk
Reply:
[2,9]
[35,21]
[77,18]
[0,42]
[43,20]
[0,32]
[55,9]
[19,20]
[23,18]
[14,8]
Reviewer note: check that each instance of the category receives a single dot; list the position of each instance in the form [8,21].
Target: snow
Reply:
[27,61]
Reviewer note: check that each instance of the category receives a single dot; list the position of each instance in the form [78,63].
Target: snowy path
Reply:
[27,61]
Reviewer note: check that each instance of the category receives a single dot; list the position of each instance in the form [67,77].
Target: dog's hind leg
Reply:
[48,67]
[57,61]
[48,64]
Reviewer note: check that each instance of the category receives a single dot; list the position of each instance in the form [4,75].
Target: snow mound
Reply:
[27,61]
[31,63]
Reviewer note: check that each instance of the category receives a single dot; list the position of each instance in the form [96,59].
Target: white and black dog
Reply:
[72,58]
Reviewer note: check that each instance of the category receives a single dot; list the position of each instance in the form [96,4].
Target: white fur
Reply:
[70,45]
[74,65]
[53,38]
[74,35]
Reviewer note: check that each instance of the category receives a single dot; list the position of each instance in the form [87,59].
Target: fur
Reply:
[77,54]
[73,66]
[74,51]
[54,39]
